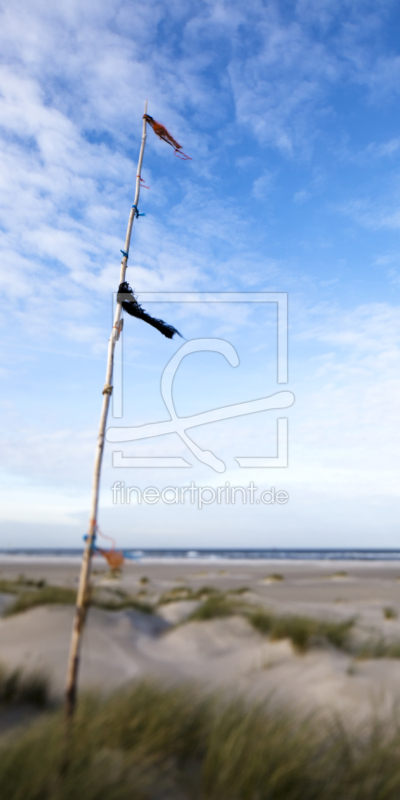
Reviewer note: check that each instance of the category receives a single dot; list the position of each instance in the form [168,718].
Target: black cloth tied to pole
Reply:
[132,307]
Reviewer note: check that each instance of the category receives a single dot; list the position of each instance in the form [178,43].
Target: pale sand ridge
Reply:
[121,646]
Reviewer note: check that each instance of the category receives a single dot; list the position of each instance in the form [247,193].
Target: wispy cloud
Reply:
[377,213]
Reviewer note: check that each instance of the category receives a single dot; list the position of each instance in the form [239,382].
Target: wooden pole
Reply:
[82,600]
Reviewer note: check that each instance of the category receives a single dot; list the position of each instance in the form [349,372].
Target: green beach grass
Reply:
[19,584]
[149,743]
[302,631]
[179,593]
[39,594]
[390,613]
[18,687]
[48,595]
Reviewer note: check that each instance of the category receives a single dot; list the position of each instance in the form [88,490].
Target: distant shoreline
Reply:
[201,556]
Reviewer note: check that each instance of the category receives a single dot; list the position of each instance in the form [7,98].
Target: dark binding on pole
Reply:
[132,307]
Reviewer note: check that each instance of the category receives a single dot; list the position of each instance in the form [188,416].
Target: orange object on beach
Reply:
[114,558]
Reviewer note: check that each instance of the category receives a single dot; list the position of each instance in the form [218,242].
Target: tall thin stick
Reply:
[82,600]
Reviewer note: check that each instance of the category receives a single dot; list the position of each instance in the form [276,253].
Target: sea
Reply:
[215,554]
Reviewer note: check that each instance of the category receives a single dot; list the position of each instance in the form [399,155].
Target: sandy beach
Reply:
[223,652]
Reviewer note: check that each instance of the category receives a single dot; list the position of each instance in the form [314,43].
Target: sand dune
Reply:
[121,646]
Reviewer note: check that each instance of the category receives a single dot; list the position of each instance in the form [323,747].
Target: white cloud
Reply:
[263,185]
[301,196]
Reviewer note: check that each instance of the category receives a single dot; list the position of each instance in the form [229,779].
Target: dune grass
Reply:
[390,613]
[155,744]
[18,687]
[9,587]
[215,606]
[302,631]
[48,595]
[118,600]
[183,592]
[376,648]
[110,600]
[19,584]
[178,593]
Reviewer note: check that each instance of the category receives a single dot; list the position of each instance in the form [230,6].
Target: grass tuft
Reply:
[109,600]
[48,595]
[17,687]
[390,613]
[377,648]
[302,631]
[117,600]
[151,743]
[9,587]
[217,605]
[15,586]
[178,593]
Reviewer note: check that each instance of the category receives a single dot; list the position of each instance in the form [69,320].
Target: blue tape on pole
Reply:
[85,538]
[137,212]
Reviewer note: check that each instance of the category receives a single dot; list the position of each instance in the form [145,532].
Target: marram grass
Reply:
[18,687]
[304,632]
[301,630]
[185,593]
[39,594]
[150,743]
[39,597]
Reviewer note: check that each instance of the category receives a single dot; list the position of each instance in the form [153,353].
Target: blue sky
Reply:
[290,112]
